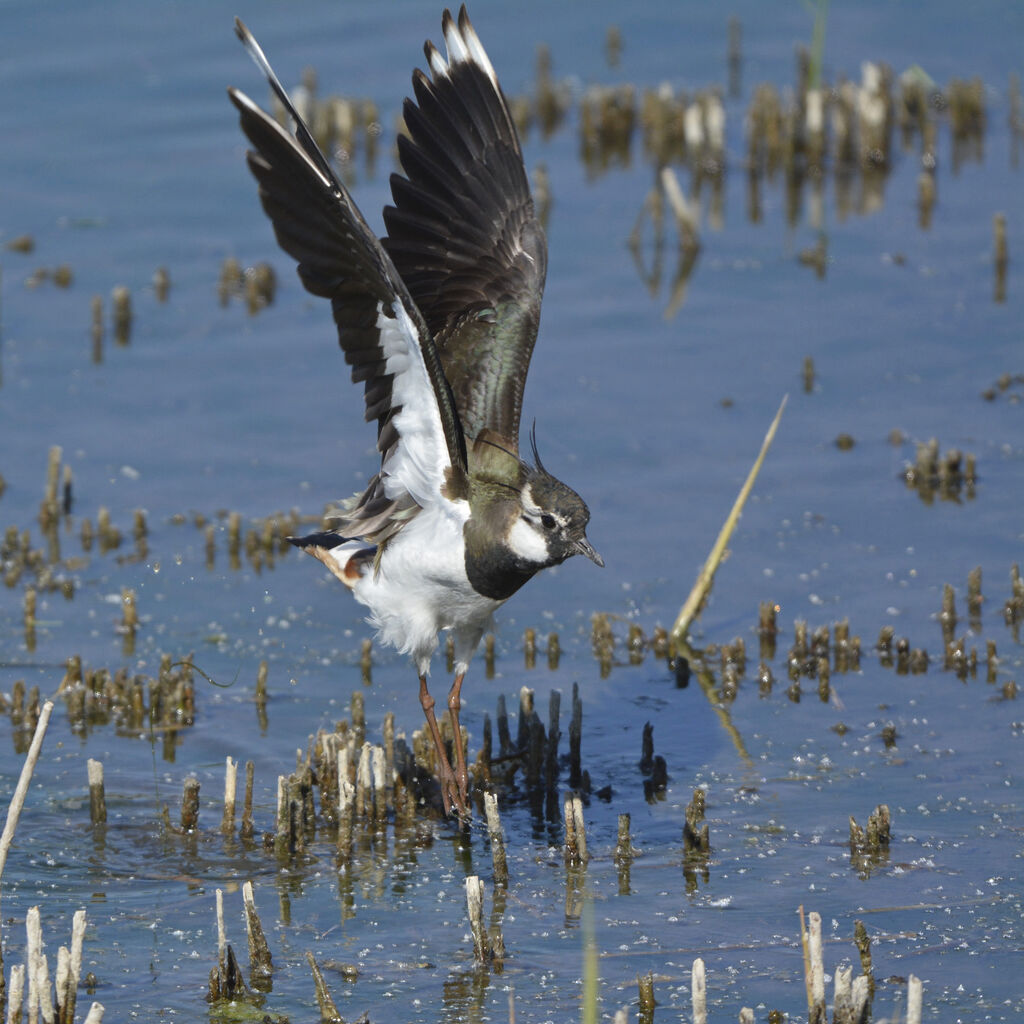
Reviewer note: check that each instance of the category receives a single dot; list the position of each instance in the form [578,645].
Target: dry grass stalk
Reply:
[702,587]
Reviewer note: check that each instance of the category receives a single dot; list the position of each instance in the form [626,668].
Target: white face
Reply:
[530,533]
[527,540]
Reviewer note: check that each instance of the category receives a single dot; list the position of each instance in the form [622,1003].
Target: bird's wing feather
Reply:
[381,331]
[464,235]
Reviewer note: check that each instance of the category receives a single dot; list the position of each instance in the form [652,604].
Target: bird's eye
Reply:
[547,521]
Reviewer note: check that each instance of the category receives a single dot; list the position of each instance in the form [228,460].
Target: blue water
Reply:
[122,154]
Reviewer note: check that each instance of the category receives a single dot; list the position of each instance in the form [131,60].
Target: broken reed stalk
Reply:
[38,969]
[97,794]
[805,946]
[380,804]
[914,993]
[702,587]
[816,978]
[497,839]
[475,910]
[645,995]
[222,939]
[699,992]
[248,829]
[624,849]
[15,992]
[260,963]
[575,739]
[190,805]
[575,836]
[20,791]
[227,824]
[346,807]
[328,1011]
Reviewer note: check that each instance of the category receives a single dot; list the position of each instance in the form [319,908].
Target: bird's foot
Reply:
[454,791]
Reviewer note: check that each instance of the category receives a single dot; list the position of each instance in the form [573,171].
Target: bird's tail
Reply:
[347,559]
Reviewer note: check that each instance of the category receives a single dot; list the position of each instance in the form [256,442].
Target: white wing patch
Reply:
[420,459]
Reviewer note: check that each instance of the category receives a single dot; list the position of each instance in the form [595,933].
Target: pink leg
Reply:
[450,791]
[454,707]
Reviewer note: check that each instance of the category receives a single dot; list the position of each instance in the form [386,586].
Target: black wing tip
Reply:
[253,48]
[448,19]
[326,539]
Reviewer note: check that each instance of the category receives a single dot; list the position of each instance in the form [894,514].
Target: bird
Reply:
[438,321]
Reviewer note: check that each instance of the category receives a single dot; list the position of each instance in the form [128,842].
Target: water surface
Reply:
[123,154]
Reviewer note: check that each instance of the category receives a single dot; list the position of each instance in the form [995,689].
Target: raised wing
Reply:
[463,233]
[381,331]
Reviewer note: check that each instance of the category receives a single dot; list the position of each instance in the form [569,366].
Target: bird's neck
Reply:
[494,570]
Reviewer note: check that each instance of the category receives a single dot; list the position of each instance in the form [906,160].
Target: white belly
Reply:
[422,588]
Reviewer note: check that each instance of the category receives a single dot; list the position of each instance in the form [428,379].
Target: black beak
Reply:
[583,547]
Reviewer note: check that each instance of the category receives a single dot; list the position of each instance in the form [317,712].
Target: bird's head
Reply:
[552,521]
